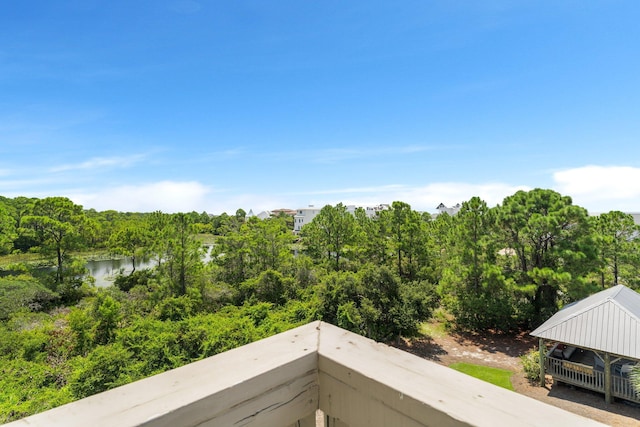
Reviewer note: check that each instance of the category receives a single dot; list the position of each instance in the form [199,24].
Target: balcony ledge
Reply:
[282,380]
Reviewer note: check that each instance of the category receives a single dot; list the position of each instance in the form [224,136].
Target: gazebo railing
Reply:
[623,388]
[586,376]
[576,373]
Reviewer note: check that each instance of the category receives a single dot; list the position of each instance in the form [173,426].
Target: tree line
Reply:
[501,268]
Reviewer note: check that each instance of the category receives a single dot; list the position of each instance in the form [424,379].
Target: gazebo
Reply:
[596,343]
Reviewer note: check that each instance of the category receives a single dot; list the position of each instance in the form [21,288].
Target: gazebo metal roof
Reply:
[607,321]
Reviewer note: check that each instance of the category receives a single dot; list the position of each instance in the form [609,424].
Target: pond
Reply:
[106,270]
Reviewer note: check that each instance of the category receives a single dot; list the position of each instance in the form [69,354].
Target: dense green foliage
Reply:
[24,293]
[531,365]
[491,268]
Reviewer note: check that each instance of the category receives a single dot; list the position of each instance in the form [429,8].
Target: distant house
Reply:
[261,215]
[596,343]
[264,215]
[305,215]
[290,212]
[442,208]
[269,214]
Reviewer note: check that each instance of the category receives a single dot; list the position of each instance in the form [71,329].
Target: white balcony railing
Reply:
[283,380]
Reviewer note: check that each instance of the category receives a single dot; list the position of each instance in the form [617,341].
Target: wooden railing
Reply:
[576,373]
[623,388]
[586,377]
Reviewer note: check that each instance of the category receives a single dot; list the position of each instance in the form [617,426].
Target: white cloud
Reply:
[172,196]
[596,188]
[166,196]
[601,188]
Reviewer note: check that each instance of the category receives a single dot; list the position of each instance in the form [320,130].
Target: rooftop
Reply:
[608,321]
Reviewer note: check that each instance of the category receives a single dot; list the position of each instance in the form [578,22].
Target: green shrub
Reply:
[103,369]
[531,365]
[137,278]
[175,308]
[24,293]
[30,387]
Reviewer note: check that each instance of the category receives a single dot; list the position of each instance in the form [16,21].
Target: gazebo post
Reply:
[608,398]
[541,350]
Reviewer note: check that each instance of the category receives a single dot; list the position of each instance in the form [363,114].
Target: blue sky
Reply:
[181,105]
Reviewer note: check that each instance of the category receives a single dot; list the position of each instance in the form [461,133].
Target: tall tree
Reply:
[552,242]
[473,286]
[269,243]
[158,229]
[330,233]
[130,240]
[18,208]
[184,260]
[372,242]
[56,222]
[253,248]
[7,230]
[617,240]
[475,226]
[407,235]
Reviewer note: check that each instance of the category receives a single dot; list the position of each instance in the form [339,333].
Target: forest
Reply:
[489,269]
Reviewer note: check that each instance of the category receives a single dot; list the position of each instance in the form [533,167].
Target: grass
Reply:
[30,258]
[39,259]
[495,376]
[438,326]
[433,329]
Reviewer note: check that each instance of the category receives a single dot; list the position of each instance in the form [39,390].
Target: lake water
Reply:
[104,271]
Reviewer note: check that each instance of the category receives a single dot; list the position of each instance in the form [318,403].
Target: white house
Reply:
[442,208]
[306,215]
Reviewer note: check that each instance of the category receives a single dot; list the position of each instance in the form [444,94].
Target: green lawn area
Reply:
[496,376]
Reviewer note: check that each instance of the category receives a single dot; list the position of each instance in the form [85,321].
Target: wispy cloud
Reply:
[101,163]
[353,190]
[336,155]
